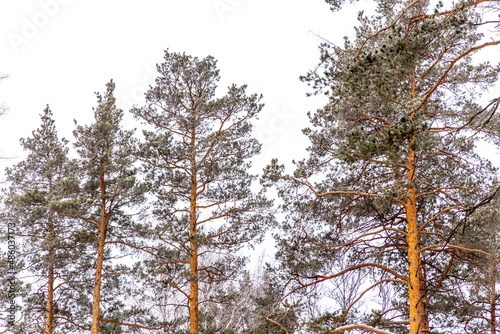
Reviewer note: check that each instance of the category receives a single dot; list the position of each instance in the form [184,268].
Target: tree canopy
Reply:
[390,225]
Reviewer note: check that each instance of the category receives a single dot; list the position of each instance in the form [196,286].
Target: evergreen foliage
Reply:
[103,195]
[47,249]
[196,161]
[390,226]
[392,174]
[473,298]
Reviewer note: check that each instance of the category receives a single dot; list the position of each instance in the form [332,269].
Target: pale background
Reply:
[59,52]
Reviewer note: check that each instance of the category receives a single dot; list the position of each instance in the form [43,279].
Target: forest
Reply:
[390,225]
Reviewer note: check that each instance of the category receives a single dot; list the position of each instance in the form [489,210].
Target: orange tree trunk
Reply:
[423,292]
[193,261]
[418,320]
[96,311]
[49,322]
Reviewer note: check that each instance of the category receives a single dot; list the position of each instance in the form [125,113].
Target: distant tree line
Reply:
[391,225]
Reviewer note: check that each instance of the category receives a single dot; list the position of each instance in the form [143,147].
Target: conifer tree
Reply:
[46,250]
[474,295]
[196,159]
[392,172]
[104,196]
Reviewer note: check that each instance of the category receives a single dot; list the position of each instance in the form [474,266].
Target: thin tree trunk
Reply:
[423,291]
[49,322]
[96,311]
[492,298]
[193,300]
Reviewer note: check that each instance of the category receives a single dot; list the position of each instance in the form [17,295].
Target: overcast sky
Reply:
[59,52]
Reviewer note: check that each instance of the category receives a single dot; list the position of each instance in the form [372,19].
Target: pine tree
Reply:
[486,282]
[392,172]
[196,158]
[474,297]
[268,315]
[104,196]
[46,250]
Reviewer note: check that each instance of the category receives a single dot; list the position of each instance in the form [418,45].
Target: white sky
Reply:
[59,52]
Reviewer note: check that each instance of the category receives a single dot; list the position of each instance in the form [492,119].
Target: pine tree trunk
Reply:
[193,301]
[96,311]
[423,291]
[492,299]
[417,312]
[49,322]
[416,284]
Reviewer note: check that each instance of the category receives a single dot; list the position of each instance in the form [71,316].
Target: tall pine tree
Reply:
[474,295]
[392,172]
[196,158]
[103,197]
[45,241]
